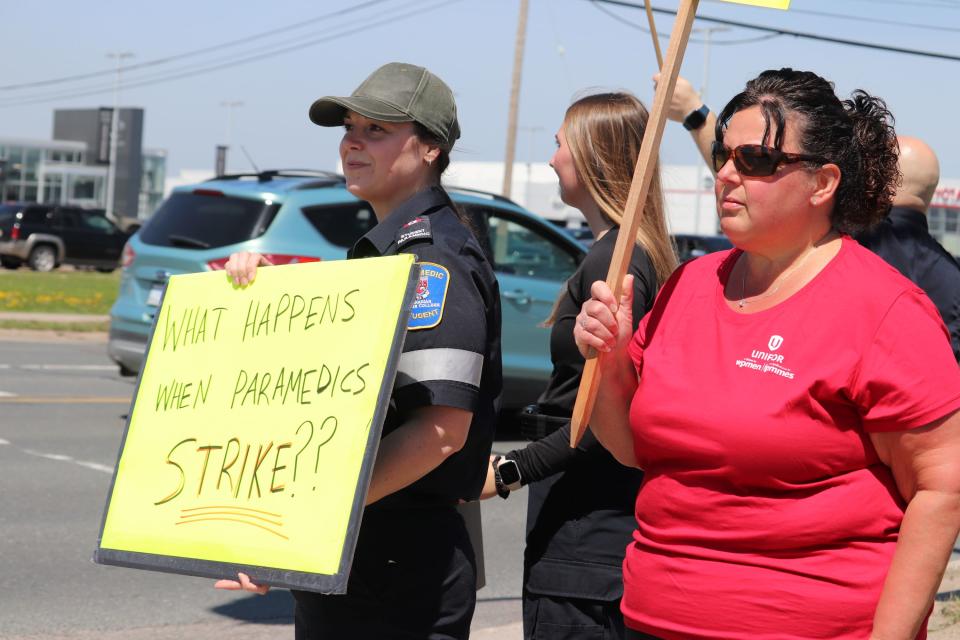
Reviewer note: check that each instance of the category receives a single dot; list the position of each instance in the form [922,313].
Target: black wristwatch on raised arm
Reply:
[695,119]
[506,476]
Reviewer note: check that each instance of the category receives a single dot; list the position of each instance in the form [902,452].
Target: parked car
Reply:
[45,236]
[688,245]
[693,246]
[295,216]
[583,235]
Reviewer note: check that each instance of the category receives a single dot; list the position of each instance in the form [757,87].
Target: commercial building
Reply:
[944,215]
[72,167]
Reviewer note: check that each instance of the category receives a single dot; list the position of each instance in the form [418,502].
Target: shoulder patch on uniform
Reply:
[416,229]
[431,294]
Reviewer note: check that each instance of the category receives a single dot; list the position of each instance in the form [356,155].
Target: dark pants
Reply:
[413,576]
[553,618]
[639,635]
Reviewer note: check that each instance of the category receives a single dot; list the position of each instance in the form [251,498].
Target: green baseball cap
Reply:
[396,92]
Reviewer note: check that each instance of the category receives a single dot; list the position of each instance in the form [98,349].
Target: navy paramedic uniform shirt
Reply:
[414,570]
[451,354]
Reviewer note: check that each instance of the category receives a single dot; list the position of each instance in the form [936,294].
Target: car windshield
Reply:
[201,221]
[8,213]
[342,224]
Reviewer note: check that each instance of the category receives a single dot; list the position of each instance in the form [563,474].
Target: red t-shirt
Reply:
[765,512]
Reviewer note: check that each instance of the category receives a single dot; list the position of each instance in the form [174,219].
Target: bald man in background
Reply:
[903,238]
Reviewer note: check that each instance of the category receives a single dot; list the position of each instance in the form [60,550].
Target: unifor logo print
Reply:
[775,342]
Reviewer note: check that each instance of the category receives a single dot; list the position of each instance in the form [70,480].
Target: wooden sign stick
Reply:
[653,34]
[639,187]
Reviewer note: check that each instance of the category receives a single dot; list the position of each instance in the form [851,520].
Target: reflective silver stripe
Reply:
[455,365]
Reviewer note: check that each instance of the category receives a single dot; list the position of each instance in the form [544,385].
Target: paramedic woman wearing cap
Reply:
[414,571]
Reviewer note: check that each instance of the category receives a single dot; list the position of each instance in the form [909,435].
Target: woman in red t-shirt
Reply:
[793,401]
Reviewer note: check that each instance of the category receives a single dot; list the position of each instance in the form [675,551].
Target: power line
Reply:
[663,36]
[171,75]
[796,34]
[93,89]
[195,52]
[902,3]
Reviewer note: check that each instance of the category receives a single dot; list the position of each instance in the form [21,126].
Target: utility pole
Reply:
[708,33]
[230,105]
[514,100]
[114,126]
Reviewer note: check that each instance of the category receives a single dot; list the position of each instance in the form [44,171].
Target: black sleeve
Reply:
[553,453]
[550,455]
[644,285]
[443,355]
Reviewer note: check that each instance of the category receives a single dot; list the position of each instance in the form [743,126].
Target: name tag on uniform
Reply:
[431,294]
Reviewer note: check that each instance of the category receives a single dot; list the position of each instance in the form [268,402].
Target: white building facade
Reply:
[689,209]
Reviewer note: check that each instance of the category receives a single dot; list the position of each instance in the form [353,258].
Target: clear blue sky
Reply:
[571,45]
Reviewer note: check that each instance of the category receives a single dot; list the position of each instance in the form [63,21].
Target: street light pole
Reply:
[708,33]
[230,105]
[114,125]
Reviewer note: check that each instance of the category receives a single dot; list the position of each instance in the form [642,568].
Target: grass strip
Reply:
[58,291]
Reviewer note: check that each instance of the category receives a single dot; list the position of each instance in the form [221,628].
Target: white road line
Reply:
[3,442]
[4,366]
[7,394]
[59,457]
[96,466]
[69,367]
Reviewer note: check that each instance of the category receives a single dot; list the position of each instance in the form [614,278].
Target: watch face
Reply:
[509,472]
[695,120]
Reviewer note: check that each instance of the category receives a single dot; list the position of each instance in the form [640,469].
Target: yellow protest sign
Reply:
[255,422]
[770,4]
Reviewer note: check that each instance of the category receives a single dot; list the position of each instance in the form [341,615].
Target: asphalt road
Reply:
[62,414]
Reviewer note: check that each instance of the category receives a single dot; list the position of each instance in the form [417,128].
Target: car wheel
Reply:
[42,258]
[105,269]
[11,263]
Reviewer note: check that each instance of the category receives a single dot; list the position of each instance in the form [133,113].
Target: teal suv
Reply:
[298,216]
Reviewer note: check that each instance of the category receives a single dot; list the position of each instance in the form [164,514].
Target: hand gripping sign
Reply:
[639,187]
[255,423]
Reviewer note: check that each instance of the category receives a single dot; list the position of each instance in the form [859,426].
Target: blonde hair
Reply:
[604,132]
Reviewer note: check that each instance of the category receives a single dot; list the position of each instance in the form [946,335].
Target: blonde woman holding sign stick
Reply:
[414,570]
[793,401]
[580,502]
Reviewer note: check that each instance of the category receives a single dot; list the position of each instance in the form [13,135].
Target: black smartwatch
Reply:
[509,473]
[506,476]
[695,119]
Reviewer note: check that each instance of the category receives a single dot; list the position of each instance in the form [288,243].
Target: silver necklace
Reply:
[783,278]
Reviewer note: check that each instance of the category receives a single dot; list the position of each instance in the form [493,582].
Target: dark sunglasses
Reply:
[757,160]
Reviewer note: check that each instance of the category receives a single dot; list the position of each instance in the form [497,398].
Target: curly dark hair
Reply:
[856,134]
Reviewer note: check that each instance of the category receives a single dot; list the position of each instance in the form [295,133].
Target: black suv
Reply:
[45,236]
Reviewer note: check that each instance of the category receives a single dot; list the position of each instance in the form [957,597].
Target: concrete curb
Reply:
[53,317]
[52,335]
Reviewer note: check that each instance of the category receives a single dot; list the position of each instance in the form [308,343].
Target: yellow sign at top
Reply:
[770,4]
[255,419]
